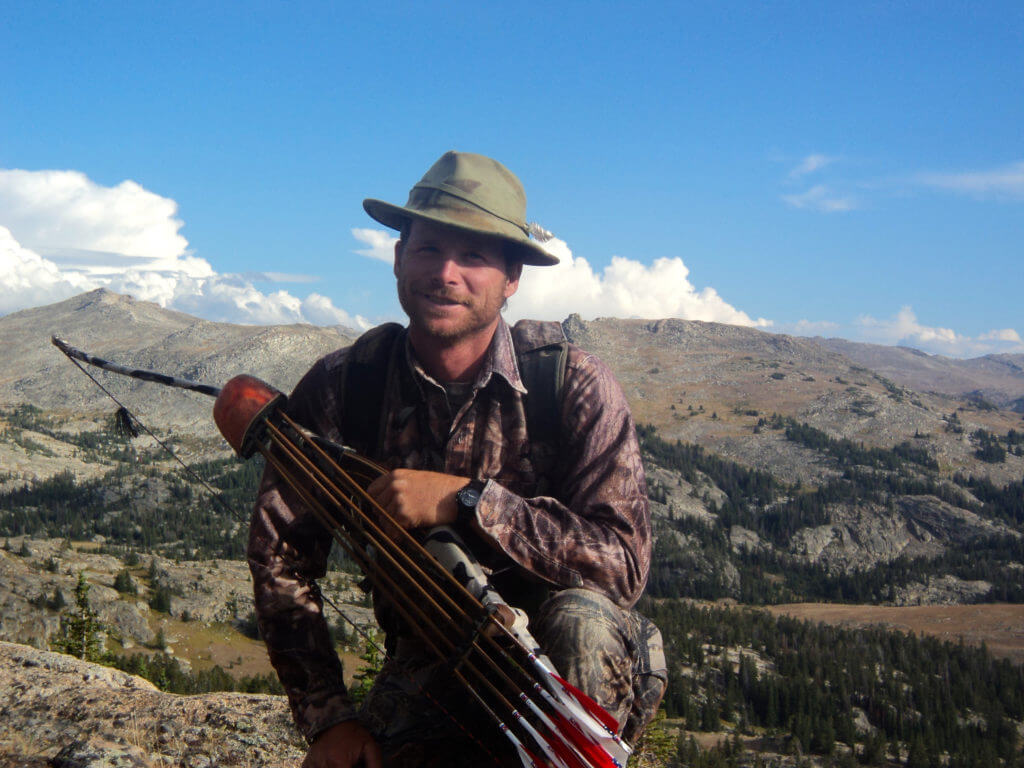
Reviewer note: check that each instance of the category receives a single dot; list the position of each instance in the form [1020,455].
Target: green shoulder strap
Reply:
[368,367]
[542,350]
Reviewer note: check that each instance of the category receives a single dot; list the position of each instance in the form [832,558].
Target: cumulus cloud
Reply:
[625,288]
[280,277]
[905,329]
[27,279]
[1001,334]
[381,244]
[60,210]
[1007,181]
[810,164]
[808,327]
[820,198]
[62,233]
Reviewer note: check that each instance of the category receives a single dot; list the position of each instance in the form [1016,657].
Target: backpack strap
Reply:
[367,369]
[542,351]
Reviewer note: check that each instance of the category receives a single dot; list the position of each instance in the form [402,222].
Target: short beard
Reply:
[475,322]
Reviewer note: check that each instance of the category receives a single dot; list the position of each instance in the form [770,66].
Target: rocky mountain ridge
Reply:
[143,335]
[711,384]
[996,378]
[703,382]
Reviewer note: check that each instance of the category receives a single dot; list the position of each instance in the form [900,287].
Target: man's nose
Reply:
[446,269]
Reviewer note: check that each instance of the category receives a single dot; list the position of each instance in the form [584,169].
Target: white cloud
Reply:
[27,279]
[1001,334]
[820,198]
[382,244]
[904,329]
[810,164]
[61,234]
[66,210]
[1007,181]
[320,310]
[280,277]
[626,288]
[807,327]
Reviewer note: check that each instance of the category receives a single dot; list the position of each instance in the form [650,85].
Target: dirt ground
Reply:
[1000,626]
[204,645]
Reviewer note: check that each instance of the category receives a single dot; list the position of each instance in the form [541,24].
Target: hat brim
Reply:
[523,249]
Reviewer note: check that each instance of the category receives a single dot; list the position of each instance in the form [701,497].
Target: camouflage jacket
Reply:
[579,521]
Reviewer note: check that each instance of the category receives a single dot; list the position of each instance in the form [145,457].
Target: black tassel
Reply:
[125,424]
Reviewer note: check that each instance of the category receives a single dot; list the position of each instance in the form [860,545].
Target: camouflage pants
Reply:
[614,656]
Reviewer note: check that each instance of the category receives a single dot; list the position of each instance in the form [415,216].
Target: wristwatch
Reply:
[466,499]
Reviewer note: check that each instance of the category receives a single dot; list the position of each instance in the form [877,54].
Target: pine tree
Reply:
[80,629]
[124,584]
[656,746]
[373,660]
[160,599]
[918,754]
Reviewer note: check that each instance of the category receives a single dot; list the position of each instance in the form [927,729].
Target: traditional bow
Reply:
[461,620]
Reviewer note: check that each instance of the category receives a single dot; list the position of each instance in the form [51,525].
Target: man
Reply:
[561,523]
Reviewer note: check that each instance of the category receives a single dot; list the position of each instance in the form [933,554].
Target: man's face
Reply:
[452,284]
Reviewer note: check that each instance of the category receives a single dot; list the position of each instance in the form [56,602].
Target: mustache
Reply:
[443,294]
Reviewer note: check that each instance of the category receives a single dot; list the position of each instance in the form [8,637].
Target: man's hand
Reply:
[418,499]
[344,745]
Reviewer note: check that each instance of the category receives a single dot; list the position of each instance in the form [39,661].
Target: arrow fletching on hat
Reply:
[538,233]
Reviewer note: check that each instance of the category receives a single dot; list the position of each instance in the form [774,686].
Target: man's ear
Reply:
[512,275]
[399,246]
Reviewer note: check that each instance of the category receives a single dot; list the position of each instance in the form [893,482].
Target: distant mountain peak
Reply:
[144,334]
[102,296]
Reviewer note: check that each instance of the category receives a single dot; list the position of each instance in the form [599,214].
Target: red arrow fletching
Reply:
[588,704]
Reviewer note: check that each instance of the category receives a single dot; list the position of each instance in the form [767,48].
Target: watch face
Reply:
[468,497]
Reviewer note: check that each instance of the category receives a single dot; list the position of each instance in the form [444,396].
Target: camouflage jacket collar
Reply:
[500,360]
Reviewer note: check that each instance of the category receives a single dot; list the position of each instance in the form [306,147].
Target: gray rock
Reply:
[73,713]
[96,752]
[943,590]
[741,539]
[859,537]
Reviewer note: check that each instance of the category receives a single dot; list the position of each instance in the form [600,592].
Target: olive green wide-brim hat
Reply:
[472,193]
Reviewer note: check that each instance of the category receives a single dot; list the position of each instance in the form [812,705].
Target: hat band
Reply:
[428,188]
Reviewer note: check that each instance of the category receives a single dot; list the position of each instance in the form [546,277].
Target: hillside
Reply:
[700,382]
[780,471]
[709,384]
[790,454]
[143,335]
[998,379]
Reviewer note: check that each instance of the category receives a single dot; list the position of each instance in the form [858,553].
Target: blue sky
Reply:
[851,170]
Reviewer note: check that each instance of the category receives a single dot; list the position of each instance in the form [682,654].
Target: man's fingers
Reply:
[416,498]
[344,745]
[382,490]
[379,484]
